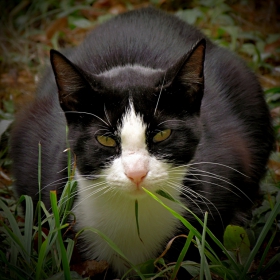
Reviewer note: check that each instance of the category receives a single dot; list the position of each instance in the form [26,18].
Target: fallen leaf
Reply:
[90,268]
[55,26]
[275,166]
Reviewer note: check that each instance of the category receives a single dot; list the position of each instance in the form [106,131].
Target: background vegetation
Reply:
[29,29]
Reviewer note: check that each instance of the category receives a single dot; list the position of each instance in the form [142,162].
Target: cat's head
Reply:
[135,126]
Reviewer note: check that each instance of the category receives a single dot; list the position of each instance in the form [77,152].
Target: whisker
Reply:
[208,201]
[223,180]
[92,186]
[63,169]
[106,129]
[176,187]
[106,114]
[171,121]
[215,184]
[86,113]
[207,172]
[78,191]
[220,164]
[91,194]
[55,182]
[159,93]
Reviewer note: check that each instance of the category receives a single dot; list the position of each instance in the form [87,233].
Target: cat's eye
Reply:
[162,135]
[106,141]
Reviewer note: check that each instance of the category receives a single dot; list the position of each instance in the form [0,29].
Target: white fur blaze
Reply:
[135,158]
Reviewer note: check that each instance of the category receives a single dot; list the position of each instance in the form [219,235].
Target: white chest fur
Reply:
[114,215]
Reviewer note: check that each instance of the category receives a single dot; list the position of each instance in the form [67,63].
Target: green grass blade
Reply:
[70,248]
[64,258]
[275,276]
[41,260]
[175,214]
[17,272]
[219,268]
[275,211]
[196,233]
[202,257]
[69,160]
[182,255]
[204,267]
[270,263]
[13,234]
[203,263]
[13,223]
[40,197]
[28,227]
[137,220]
[264,255]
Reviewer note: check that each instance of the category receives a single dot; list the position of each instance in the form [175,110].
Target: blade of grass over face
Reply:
[218,262]
[137,220]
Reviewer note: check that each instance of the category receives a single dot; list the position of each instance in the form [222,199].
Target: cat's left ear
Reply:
[71,82]
[188,72]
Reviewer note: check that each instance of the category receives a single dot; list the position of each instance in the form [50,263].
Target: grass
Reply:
[30,251]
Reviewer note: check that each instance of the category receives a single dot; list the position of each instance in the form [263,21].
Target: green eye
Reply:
[162,135]
[106,141]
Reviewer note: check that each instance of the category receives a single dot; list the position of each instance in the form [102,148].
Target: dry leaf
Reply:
[57,25]
[90,268]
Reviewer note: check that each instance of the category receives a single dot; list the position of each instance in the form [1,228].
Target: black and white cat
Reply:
[150,102]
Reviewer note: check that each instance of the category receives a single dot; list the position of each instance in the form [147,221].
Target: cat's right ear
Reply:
[70,80]
[188,73]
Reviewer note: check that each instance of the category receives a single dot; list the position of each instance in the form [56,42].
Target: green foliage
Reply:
[6,119]
[236,241]
[24,261]
[225,31]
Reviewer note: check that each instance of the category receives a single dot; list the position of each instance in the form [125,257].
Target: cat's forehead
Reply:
[120,70]
[131,75]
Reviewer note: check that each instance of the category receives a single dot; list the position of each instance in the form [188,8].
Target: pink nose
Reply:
[137,176]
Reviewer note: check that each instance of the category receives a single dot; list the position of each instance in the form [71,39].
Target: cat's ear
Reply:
[70,80]
[188,72]
[189,68]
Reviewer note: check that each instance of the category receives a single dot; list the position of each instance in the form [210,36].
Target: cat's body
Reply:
[135,120]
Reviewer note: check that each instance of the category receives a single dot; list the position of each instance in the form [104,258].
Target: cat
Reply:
[151,103]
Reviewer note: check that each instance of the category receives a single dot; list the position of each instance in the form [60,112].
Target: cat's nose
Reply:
[137,176]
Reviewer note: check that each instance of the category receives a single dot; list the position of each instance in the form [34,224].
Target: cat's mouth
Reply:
[136,192]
